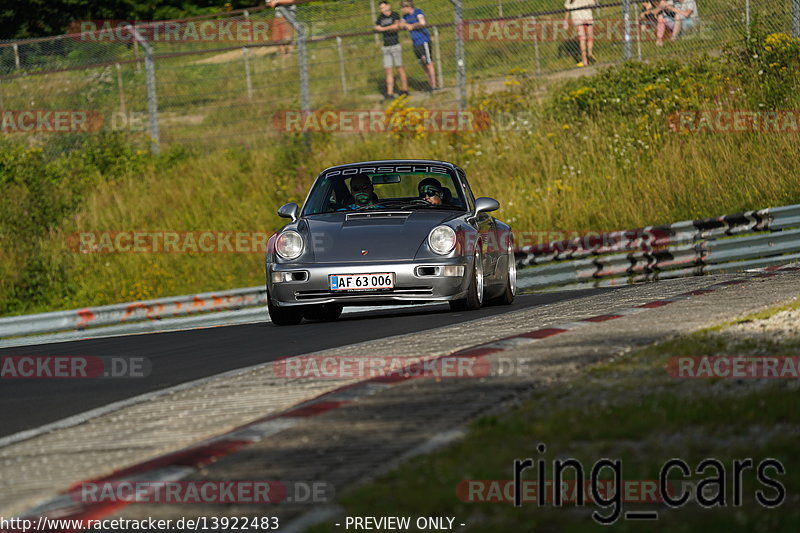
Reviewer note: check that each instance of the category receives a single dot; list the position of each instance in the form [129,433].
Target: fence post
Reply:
[626,20]
[461,69]
[16,55]
[536,46]
[152,101]
[796,18]
[305,99]
[638,31]
[747,16]
[247,79]
[374,15]
[342,73]
[437,51]
[121,88]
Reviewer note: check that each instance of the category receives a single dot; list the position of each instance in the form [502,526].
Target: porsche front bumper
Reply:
[414,281]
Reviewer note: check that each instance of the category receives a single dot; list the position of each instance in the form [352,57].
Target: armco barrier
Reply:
[132,312]
[723,244]
[691,248]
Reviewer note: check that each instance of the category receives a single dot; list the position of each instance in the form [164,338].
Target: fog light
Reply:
[298,275]
[453,270]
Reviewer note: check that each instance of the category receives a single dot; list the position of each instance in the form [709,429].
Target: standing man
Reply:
[388,23]
[414,21]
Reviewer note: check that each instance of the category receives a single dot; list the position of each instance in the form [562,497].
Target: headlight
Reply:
[442,240]
[289,245]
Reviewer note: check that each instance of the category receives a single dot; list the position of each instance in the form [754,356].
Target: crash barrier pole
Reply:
[305,98]
[796,18]
[121,88]
[125,313]
[437,52]
[730,243]
[461,69]
[626,20]
[247,79]
[342,71]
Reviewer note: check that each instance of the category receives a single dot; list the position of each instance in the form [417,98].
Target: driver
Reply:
[362,191]
[430,190]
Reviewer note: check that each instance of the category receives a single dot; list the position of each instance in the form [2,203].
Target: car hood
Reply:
[384,236]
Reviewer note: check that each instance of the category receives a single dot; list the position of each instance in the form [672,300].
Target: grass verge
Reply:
[628,409]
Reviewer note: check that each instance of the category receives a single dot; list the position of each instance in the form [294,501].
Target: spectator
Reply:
[582,19]
[677,16]
[282,30]
[414,21]
[648,18]
[388,23]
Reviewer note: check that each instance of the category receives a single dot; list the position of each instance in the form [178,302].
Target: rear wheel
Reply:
[284,316]
[324,312]
[474,298]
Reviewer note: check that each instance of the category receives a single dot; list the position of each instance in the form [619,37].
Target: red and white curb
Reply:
[182,463]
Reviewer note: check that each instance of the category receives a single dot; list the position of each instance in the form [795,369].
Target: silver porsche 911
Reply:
[385,233]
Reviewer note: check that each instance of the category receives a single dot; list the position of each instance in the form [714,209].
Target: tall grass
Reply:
[595,154]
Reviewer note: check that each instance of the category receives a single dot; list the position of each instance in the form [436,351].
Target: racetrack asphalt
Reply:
[183,356]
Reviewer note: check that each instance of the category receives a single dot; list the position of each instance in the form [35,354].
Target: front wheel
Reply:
[507,298]
[283,316]
[474,298]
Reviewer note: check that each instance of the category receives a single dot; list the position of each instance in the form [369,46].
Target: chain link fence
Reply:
[223,79]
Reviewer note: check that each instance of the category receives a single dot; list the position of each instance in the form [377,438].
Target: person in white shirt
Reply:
[580,14]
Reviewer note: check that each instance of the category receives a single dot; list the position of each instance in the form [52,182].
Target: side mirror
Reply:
[289,211]
[485,204]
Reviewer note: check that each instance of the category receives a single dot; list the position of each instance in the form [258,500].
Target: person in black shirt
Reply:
[388,23]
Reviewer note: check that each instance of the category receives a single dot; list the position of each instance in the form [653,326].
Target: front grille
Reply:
[403,291]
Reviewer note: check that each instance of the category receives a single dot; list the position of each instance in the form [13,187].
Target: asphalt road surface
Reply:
[182,356]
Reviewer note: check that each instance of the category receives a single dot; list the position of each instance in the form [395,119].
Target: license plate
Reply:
[361,282]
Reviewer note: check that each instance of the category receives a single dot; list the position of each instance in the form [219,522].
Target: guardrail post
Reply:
[626,20]
[461,69]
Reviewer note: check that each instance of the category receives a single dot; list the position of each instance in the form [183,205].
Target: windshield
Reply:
[388,187]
